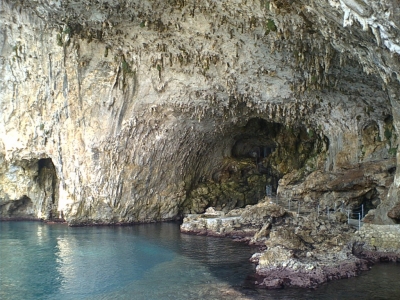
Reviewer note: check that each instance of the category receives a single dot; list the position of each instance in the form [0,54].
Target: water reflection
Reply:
[147,262]
[65,257]
[28,263]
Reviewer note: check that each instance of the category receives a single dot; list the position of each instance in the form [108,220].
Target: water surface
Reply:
[40,261]
[153,261]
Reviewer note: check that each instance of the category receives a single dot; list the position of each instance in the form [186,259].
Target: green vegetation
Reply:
[391,137]
[392,151]
[270,26]
[61,36]
[313,79]
[388,134]
[16,48]
[67,30]
[126,68]
[311,133]
[59,40]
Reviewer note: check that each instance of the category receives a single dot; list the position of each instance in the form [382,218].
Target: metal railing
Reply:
[295,205]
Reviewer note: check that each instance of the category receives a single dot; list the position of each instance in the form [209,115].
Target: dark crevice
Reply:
[261,153]
[17,209]
[48,183]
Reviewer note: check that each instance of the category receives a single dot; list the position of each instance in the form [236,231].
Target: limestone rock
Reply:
[274,257]
[137,104]
[259,213]
[251,223]
[286,238]
[261,235]
[211,212]
[394,213]
[365,184]
[378,242]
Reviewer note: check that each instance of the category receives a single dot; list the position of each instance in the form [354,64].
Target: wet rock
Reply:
[377,242]
[302,251]
[280,267]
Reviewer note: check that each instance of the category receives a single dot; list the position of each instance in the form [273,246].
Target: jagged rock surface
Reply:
[378,242]
[253,221]
[301,249]
[135,105]
[364,184]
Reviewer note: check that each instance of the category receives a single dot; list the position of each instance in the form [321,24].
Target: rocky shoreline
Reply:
[296,250]
[31,219]
[278,268]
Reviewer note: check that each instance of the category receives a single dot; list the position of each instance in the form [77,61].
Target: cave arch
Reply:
[48,184]
[17,209]
[252,157]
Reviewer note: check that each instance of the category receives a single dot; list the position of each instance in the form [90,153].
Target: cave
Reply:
[363,204]
[276,149]
[48,184]
[260,154]
[17,209]
[36,196]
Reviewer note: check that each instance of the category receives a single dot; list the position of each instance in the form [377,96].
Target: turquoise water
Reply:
[154,261]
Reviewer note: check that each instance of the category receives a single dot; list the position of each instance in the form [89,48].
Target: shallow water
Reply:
[153,261]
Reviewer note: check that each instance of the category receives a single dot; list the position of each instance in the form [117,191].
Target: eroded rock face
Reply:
[139,104]
[364,184]
[29,190]
[251,223]
[302,249]
[378,242]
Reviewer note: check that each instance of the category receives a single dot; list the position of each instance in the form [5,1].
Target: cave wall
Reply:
[138,102]
[29,189]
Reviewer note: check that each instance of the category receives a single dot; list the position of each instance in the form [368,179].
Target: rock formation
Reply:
[251,223]
[118,111]
[299,247]
[136,111]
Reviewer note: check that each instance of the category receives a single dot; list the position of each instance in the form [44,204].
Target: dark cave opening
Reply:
[257,141]
[277,149]
[18,209]
[45,163]
[363,204]
[49,185]
[261,153]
